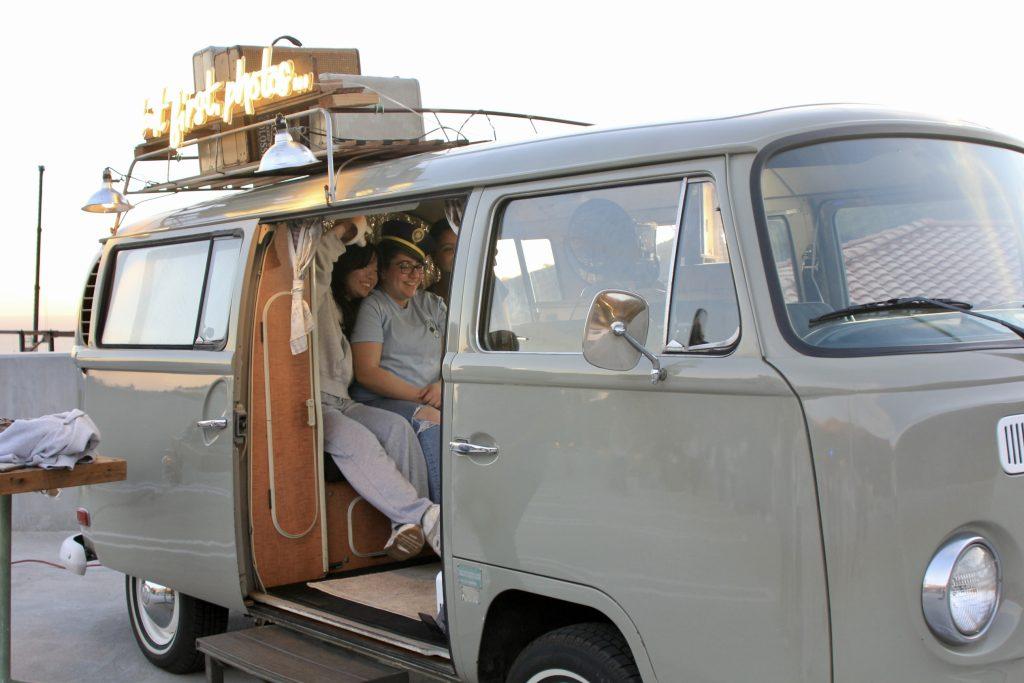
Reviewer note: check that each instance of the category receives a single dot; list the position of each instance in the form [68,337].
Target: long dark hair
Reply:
[354,258]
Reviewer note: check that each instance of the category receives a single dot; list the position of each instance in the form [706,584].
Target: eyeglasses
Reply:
[407,267]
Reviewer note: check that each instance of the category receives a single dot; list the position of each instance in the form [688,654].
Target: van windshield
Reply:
[864,221]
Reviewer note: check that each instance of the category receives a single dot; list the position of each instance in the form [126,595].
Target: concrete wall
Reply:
[34,384]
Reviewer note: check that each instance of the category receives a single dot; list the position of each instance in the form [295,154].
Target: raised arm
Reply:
[331,246]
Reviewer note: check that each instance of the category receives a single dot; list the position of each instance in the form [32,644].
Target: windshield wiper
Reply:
[915,302]
[891,305]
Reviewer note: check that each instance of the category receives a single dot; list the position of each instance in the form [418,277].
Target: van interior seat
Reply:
[356,531]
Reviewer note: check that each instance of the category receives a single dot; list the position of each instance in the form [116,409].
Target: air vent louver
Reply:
[1010,433]
[88,297]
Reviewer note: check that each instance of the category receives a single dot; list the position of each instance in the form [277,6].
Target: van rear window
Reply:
[158,293]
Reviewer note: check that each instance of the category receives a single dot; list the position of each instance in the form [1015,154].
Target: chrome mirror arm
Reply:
[658,373]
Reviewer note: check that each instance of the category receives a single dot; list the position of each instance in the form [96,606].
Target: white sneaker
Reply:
[405,542]
[431,523]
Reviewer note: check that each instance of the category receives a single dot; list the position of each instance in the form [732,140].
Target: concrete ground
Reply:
[75,628]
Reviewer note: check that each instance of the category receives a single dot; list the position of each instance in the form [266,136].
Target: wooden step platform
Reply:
[276,654]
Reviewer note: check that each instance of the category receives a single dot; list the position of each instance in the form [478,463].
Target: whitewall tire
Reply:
[167,623]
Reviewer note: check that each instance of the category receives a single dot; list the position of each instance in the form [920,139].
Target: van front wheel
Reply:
[581,653]
[167,623]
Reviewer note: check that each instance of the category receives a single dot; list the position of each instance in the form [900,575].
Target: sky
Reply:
[77,78]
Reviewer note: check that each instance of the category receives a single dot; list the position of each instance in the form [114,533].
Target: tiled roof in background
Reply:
[971,262]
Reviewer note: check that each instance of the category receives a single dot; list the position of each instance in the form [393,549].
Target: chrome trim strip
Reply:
[355,627]
[676,244]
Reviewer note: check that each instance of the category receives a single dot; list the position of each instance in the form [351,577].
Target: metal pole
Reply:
[5,588]
[39,246]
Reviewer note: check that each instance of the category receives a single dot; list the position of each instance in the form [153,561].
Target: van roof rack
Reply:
[343,151]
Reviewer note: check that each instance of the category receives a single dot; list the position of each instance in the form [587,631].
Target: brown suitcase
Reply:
[236,150]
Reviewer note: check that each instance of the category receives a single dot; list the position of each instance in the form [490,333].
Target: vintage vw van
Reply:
[727,400]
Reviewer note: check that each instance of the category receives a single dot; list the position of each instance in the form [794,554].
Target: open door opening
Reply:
[317,545]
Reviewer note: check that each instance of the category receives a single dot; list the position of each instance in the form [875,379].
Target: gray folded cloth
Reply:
[52,441]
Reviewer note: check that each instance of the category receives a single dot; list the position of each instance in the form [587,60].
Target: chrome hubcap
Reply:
[158,610]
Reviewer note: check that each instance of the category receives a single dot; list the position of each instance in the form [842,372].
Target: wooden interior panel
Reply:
[279,559]
[370,529]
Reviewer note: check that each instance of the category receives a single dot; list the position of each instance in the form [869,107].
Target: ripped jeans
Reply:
[428,433]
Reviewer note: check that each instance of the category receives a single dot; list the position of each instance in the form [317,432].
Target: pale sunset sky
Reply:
[78,74]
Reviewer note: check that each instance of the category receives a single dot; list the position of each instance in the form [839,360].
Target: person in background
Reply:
[398,340]
[443,255]
[376,451]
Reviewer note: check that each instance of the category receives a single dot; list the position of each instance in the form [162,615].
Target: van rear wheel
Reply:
[581,653]
[167,623]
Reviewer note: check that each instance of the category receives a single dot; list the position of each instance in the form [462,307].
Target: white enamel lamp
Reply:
[107,199]
[285,152]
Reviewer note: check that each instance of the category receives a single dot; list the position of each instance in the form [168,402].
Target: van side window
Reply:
[704,314]
[553,254]
[158,293]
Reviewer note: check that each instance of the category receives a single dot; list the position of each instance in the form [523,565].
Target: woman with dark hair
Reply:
[353,278]
[396,344]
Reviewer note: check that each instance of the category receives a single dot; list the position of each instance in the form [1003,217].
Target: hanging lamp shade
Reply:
[107,199]
[285,152]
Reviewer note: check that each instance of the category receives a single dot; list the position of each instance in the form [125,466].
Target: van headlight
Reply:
[961,589]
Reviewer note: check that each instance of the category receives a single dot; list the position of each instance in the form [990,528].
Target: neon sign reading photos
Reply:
[176,113]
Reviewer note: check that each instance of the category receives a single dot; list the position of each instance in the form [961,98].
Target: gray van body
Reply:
[760,515]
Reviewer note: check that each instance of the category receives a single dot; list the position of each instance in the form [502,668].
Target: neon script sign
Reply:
[176,113]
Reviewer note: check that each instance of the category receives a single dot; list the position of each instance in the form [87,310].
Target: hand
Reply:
[344,230]
[431,395]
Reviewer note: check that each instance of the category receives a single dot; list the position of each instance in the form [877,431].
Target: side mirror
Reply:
[617,320]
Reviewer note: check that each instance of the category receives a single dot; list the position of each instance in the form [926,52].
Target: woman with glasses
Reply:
[397,341]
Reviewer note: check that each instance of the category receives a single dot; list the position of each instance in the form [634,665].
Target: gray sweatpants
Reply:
[378,453]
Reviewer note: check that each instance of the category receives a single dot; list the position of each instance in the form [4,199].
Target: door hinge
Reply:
[241,423]
[310,412]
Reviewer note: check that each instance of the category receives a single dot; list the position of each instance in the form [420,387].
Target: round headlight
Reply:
[961,589]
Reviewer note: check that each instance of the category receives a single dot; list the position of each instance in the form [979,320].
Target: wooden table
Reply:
[26,480]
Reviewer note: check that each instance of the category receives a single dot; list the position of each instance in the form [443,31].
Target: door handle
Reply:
[219,423]
[466,448]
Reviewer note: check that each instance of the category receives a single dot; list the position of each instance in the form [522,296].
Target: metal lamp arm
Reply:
[332,181]
[658,373]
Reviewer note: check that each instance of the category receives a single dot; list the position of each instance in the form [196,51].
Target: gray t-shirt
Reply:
[411,336]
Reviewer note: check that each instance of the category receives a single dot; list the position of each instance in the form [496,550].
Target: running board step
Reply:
[278,655]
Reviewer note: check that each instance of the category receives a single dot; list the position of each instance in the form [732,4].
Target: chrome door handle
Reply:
[219,423]
[466,448]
